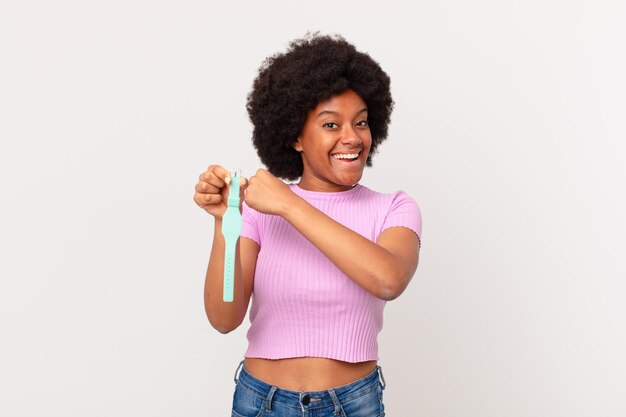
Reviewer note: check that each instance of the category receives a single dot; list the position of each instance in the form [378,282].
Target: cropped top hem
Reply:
[337,358]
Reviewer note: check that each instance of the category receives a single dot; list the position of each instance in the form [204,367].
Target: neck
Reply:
[323,186]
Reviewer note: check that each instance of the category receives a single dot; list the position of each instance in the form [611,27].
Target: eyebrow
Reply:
[325,112]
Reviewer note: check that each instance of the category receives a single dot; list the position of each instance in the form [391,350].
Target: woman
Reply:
[322,256]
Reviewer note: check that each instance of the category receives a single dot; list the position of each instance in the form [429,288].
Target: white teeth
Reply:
[346,155]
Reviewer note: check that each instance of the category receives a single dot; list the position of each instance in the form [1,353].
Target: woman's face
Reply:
[334,143]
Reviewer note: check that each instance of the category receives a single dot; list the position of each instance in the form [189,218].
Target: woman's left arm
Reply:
[383,268]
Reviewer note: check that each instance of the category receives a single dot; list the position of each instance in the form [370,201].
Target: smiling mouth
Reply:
[347,156]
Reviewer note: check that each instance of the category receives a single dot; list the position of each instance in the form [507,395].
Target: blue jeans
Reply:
[361,398]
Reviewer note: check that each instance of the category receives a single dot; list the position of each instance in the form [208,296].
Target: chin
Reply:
[350,181]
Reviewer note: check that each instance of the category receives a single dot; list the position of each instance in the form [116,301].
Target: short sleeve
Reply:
[405,212]
[249,224]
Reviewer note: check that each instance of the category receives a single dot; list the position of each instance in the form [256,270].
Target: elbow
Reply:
[392,288]
[223,317]
[393,283]
[223,327]
[221,323]
[390,293]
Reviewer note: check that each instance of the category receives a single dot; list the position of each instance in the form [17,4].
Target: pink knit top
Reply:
[302,304]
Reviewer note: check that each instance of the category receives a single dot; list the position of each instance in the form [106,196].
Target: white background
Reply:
[508,132]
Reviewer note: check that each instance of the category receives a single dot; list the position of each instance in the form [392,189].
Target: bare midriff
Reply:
[307,374]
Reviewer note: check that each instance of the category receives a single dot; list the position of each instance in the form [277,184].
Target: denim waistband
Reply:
[309,399]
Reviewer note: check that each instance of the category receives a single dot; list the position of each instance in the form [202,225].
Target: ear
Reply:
[297,145]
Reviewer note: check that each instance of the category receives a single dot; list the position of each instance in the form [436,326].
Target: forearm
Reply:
[368,264]
[223,316]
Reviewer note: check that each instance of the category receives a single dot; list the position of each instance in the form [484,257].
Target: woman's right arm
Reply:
[211,195]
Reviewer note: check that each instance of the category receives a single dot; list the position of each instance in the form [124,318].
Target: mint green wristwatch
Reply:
[231,229]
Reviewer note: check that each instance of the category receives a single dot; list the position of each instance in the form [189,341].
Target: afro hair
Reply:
[289,85]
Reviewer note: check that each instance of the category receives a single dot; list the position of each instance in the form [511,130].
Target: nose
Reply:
[350,137]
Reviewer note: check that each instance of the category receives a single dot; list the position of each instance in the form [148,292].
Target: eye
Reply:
[331,125]
[362,123]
